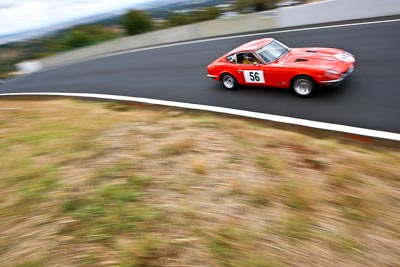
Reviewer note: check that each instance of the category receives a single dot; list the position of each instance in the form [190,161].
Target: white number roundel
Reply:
[254,76]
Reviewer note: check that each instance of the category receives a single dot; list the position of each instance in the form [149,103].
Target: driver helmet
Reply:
[248,57]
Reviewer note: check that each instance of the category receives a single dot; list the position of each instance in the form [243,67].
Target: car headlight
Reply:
[332,73]
[347,57]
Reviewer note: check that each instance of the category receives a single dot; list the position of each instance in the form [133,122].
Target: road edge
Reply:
[242,113]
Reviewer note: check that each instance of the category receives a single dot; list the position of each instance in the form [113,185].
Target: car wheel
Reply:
[303,86]
[228,81]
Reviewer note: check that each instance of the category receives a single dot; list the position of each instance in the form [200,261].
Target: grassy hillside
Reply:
[108,184]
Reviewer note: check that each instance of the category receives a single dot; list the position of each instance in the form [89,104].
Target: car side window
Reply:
[231,58]
[247,58]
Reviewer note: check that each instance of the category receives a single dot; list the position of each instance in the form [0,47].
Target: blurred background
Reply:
[36,29]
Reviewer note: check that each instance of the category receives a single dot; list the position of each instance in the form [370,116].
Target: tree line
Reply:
[137,22]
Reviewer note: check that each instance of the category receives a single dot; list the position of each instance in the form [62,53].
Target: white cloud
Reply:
[24,15]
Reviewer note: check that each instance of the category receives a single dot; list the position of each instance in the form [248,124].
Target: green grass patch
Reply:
[343,178]
[271,163]
[208,122]
[261,195]
[296,227]
[356,207]
[230,243]
[347,244]
[297,195]
[31,263]
[111,209]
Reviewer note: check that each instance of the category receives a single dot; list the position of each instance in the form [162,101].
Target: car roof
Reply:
[252,45]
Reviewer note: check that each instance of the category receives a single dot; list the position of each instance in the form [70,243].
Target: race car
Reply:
[268,62]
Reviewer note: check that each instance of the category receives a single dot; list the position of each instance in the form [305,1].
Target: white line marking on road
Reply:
[243,113]
[218,39]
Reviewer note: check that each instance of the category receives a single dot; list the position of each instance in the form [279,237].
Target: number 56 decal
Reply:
[254,76]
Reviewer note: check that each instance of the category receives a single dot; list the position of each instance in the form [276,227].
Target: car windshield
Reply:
[273,51]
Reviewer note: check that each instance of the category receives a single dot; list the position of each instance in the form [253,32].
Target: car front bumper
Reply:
[337,82]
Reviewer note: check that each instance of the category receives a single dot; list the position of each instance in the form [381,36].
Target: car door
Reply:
[253,75]
[250,72]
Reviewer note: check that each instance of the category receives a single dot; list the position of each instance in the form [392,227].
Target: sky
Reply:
[17,16]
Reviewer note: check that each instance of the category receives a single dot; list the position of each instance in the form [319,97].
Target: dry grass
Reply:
[178,147]
[199,167]
[261,194]
[271,163]
[117,184]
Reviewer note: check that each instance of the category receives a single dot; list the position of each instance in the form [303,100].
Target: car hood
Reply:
[318,57]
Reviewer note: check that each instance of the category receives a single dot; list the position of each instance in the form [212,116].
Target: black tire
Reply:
[303,86]
[228,81]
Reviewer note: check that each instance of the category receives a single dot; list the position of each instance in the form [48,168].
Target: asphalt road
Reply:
[370,97]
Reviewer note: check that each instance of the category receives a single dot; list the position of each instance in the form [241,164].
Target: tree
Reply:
[86,35]
[207,14]
[176,19]
[81,36]
[269,4]
[245,6]
[135,22]
[241,5]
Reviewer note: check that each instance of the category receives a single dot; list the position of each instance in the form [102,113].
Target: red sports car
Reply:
[267,62]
